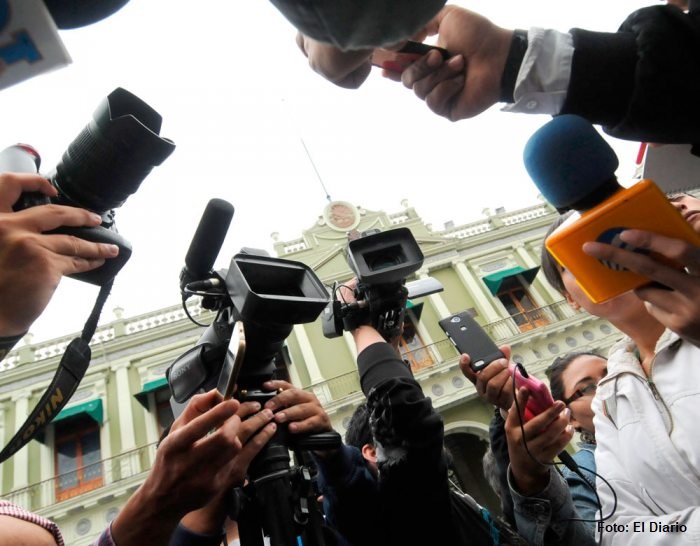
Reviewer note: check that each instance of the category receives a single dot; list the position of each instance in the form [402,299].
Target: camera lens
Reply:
[112,155]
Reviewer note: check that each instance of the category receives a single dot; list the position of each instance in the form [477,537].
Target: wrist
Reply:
[529,480]
[516,54]
[8,342]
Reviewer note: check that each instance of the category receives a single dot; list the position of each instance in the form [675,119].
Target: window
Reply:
[412,347]
[521,307]
[78,457]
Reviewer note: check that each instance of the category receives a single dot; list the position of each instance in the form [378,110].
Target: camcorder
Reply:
[99,170]
[258,300]
[381,261]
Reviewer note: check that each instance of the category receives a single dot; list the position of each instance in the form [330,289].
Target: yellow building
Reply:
[100,447]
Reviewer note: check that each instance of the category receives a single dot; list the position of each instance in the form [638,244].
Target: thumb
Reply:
[516,413]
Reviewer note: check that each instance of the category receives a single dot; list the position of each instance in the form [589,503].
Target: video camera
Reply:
[381,262]
[100,169]
[258,299]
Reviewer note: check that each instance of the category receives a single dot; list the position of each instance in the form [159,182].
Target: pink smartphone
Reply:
[398,60]
[540,397]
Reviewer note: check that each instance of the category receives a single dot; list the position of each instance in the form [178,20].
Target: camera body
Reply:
[381,262]
[268,295]
[100,169]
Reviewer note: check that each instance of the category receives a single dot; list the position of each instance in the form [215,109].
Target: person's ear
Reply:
[369,453]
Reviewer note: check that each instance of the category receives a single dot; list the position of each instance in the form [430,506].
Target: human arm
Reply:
[678,305]
[206,523]
[32,262]
[193,463]
[543,504]
[638,83]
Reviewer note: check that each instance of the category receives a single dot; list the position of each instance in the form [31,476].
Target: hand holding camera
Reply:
[32,262]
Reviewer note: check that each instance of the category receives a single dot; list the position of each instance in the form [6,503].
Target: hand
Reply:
[193,464]
[32,262]
[348,69]
[469,83]
[546,435]
[494,383]
[300,408]
[255,431]
[678,306]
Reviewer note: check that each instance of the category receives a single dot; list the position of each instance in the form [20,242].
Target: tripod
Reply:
[279,500]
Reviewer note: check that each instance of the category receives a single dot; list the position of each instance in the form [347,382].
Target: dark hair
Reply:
[359,432]
[550,267]
[557,368]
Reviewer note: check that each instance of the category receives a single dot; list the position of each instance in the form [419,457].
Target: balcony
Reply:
[114,470]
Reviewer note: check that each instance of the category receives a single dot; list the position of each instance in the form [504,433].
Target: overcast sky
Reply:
[238,99]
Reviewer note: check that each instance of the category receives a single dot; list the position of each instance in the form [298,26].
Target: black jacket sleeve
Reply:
[642,82]
[408,436]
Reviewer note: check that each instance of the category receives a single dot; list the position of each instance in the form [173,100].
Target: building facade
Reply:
[102,444]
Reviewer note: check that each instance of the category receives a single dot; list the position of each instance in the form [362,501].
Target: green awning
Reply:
[93,409]
[150,387]
[499,280]
[417,308]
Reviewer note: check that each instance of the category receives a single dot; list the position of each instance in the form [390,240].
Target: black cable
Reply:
[572,465]
[187,312]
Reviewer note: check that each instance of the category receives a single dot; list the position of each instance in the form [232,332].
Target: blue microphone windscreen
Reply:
[568,160]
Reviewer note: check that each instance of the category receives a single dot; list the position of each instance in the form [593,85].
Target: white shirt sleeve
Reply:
[544,74]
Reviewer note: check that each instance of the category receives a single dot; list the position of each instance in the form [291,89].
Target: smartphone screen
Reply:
[398,60]
[468,337]
[232,362]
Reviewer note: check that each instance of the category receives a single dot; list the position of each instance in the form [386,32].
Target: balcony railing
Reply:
[432,355]
[114,470]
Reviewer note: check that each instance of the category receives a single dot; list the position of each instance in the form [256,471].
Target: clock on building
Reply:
[341,215]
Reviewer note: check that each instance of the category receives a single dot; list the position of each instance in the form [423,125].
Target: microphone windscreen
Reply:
[79,13]
[208,238]
[568,160]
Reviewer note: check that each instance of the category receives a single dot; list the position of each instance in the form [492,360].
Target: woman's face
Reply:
[579,380]
[619,307]
[689,207]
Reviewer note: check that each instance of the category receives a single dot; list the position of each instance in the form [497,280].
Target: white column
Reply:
[308,353]
[476,288]
[435,299]
[126,415]
[20,460]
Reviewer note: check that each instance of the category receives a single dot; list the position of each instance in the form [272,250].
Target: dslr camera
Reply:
[381,261]
[101,168]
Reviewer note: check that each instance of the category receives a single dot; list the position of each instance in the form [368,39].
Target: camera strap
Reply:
[70,372]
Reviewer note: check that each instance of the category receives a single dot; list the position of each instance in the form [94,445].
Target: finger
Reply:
[642,264]
[301,412]
[202,414]
[289,398]
[48,217]
[542,422]
[248,452]
[674,248]
[246,409]
[422,69]
[251,425]
[465,365]
[516,413]
[13,184]
[75,247]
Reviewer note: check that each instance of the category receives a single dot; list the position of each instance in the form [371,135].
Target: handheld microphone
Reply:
[206,242]
[574,168]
